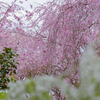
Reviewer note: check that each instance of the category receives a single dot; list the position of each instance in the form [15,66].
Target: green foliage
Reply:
[3,96]
[36,89]
[31,88]
[7,66]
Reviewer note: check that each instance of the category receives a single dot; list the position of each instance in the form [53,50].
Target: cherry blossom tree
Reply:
[67,27]
[51,38]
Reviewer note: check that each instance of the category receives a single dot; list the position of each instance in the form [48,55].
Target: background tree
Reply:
[51,38]
[67,27]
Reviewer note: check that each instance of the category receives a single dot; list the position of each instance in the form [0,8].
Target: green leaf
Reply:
[30,87]
[3,96]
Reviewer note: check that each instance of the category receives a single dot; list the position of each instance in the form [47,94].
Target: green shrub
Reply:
[7,66]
